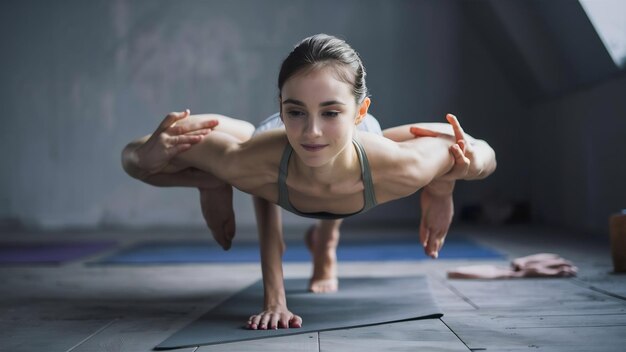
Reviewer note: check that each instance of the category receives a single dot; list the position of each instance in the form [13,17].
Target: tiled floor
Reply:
[75,307]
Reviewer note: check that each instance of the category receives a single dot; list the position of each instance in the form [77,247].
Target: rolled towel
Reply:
[536,265]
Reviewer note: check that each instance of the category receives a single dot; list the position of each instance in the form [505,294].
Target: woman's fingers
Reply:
[283,323]
[462,145]
[171,118]
[273,323]
[422,132]
[185,139]
[267,320]
[192,127]
[466,147]
[456,127]
[254,321]
[295,322]
[202,132]
[264,321]
[459,157]
[177,149]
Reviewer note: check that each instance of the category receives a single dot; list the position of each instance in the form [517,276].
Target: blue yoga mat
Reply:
[207,252]
[50,252]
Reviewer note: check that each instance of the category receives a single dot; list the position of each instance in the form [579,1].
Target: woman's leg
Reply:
[216,204]
[216,201]
[322,240]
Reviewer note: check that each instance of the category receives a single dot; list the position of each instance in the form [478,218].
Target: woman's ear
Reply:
[365,105]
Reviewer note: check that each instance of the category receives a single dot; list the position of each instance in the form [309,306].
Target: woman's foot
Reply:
[324,253]
[217,209]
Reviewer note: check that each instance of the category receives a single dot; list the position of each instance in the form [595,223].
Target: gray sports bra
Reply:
[366,176]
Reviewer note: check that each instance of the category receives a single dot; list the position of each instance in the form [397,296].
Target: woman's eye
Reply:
[295,113]
[331,113]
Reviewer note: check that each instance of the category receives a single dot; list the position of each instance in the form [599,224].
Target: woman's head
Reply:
[323,97]
[322,51]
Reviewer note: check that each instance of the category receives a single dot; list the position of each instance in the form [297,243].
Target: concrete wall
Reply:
[578,157]
[81,79]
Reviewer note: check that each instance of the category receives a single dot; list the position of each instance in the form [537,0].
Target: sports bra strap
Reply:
[366,175]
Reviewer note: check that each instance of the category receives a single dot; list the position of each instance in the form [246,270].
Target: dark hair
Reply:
[321,50]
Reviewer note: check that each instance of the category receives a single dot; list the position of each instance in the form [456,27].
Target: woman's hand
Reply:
[274,318]
[169,140]
[462,151]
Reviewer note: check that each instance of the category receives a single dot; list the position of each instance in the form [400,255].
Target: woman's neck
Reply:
[343,167]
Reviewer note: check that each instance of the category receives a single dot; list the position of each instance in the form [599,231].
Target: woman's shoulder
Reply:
[389,169]
[379,149]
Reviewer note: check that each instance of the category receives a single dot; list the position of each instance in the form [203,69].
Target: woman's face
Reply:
[319,113]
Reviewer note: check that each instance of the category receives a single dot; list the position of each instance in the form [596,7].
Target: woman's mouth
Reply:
[313,147]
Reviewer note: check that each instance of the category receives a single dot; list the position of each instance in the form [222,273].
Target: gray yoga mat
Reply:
[359,302]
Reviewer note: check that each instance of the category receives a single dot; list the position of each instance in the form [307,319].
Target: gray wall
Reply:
[81,79]
[578,155]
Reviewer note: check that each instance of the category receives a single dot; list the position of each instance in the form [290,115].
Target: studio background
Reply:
[82,79]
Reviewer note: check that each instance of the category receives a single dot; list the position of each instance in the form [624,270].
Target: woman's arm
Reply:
[481,156]
[436,198]
[153,154]
[173,156]
[275,313]
[401,169]
[170,175]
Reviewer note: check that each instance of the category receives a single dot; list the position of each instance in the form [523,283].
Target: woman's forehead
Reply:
[317,86]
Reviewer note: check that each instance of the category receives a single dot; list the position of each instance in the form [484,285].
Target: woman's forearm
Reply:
[269,226]
[403,133]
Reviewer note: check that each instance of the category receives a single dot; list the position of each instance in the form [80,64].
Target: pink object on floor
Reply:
[536,265]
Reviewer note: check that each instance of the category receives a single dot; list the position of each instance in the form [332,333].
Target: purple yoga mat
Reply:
[49,252]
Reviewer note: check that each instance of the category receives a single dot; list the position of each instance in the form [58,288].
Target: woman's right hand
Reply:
[169,140]
[462,151]
[274,318]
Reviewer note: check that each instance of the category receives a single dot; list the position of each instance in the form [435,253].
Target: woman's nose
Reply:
[313,128]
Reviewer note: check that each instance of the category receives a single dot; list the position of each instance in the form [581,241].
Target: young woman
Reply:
[322,156]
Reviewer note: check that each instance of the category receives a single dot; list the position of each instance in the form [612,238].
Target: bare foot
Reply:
[217,209]
[324,278]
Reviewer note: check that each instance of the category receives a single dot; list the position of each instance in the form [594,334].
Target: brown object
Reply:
[618,241]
